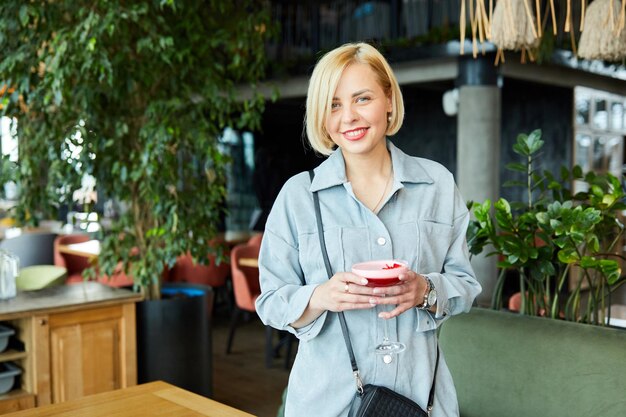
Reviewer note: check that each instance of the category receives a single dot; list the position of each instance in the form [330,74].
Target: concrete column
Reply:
[478,149]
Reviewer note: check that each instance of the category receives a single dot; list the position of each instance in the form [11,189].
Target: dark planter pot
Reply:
[174,338]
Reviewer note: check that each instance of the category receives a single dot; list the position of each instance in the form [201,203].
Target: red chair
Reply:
[75,264]
[246,288]
[212,274]
[185,270]
[119,278]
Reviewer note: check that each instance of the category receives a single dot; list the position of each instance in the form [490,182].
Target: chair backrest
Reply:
[212,274]
[515,302]
[75,264]
[32,248]
[256,239]
[246,285]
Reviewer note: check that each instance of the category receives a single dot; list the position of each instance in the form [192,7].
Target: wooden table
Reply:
[151,399]
[236,237]
[88,249]
[251,262]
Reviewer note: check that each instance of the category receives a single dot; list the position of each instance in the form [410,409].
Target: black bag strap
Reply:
[342,318]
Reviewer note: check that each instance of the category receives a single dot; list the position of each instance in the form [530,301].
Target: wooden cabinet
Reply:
[16,401]
[74,343]
[22,395]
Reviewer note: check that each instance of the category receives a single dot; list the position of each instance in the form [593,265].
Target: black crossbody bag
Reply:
[375,401]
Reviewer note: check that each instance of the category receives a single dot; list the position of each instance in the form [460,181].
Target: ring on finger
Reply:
[347,287]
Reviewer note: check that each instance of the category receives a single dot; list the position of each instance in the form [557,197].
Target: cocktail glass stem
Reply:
[386,334]
[388,347]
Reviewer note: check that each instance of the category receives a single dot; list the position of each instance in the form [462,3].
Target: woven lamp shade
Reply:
[512,26]
[604,36]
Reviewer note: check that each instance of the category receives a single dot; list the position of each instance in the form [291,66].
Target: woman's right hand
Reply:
[344,291]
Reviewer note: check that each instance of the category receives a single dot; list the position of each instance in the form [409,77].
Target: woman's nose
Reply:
[349,114]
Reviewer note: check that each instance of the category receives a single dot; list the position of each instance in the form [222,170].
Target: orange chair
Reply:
[246,288]
[256,239]
[515,304]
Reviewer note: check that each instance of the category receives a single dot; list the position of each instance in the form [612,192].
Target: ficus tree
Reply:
[135,93]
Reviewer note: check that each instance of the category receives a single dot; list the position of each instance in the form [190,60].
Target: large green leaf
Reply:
[568,255]
[611,270]
[516,166]
[534,142]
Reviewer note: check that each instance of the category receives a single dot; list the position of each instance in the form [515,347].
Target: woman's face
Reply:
[357,121]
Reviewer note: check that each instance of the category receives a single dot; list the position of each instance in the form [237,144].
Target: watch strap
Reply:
[425,305]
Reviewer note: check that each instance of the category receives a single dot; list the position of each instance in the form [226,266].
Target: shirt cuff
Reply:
[300,301]
[311,330]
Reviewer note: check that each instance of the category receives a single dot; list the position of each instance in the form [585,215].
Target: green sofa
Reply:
[508,365]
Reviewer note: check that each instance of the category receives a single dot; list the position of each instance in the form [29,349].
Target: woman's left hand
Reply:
[405,295]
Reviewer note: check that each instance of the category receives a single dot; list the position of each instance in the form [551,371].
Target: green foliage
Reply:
[554,237]
[150,85]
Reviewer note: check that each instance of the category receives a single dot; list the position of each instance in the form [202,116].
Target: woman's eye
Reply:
[362,99]
[335,106]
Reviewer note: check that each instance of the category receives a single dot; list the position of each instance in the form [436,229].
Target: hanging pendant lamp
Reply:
[604,36]
[513,27]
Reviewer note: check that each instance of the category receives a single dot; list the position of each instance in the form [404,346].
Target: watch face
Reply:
[432,298]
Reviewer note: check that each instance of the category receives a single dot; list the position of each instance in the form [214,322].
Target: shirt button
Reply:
[381,241]
[387,359]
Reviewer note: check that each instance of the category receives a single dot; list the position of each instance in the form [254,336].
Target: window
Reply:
[8,146]
[599,128]
[8,128]
[599,132]
[241,198]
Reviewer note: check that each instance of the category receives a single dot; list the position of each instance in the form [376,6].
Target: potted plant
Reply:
[135,94]
[564,246]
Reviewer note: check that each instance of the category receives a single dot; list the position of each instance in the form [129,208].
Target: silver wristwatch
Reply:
[430,296]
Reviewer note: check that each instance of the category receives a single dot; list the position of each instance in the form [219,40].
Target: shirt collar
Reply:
[332,171]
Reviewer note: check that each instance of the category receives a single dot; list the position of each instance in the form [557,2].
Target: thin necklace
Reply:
[380,200]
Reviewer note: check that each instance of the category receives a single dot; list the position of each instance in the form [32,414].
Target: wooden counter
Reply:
[155,398]
[70,341]
[64,298]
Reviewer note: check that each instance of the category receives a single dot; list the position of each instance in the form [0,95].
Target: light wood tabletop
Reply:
[251,262]
[235,237]
[88,249]
[151,399]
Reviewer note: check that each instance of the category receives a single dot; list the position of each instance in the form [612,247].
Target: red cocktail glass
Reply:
[383,273]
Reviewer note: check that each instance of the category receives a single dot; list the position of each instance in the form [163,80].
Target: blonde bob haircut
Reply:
[323,84]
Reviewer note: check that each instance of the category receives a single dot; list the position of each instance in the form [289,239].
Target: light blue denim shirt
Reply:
[424,222]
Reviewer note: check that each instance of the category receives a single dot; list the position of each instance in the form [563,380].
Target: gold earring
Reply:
[389,118]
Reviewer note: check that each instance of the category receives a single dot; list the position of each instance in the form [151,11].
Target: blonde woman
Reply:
[376,203]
